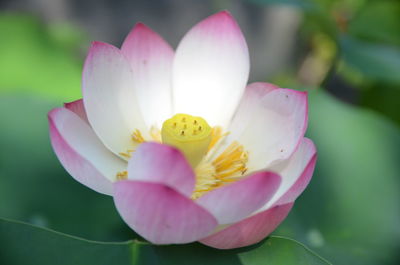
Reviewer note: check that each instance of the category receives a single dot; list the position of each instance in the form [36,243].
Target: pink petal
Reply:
[276,130]
[110,98]
[160,214]
[238,200]
[296,173]
[153,162]
[211,68]
[78,108]
[81,152]
[151,59]
[249,231]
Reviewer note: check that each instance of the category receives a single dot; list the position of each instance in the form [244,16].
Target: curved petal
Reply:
[250,105]
[109,97]
[151,59]
[249,231]
[296,173]
[160,214]
[232,203]
[275,132]
[81,152]
[160,163]
[78,108]
[210,70]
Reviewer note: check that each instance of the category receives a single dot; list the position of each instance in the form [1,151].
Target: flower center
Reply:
[191,135]
[199,143]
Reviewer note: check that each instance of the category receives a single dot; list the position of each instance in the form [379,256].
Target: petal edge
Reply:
[80,152]
[160,214]
[249,231]
[160,163]
[233,202]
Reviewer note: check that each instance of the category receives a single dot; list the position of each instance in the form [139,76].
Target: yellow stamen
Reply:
[137,137]
[122,175]
[155,134]
[127,154]
[228,167]
[192,135]
[216,136]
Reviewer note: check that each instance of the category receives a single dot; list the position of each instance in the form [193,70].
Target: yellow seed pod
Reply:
[191,135]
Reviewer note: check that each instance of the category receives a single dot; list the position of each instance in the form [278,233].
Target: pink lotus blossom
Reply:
[226,177]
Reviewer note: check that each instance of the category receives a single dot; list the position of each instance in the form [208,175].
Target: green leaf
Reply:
[384,99]
[24,244]
[377,21]
[350,212]
[374,61]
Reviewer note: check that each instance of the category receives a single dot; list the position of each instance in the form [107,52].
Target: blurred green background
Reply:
[346,53]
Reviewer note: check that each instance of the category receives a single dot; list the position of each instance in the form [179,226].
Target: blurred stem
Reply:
[332,68]
[320,63]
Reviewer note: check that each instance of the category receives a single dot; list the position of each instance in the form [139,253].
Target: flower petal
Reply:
[210,69]
[250,105]
[232,203]
[109,97]
[81,152]
[151,59]
[160,214]
[296,173]
[78,108]
[249,231]
[274,133]
[154,162]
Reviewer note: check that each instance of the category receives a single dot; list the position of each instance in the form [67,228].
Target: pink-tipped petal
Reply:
[154,162]
[78,108]
[210,70]
[273,128]
[81,152]
[151,59]
[109,97]
[249,231]
[160,214]
[238,200]
[296,173]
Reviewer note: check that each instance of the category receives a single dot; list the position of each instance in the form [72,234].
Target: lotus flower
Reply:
[186,149]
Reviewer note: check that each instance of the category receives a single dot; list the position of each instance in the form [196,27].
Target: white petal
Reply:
[109,97]
[81,152]
[250,105]
[151,60]
[210,69]
[296,173]
[273,128]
